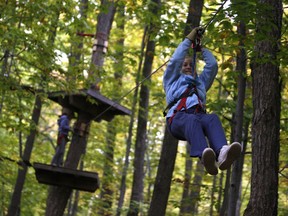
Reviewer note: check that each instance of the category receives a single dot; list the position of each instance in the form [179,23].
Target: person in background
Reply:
[62,138]
[186,115]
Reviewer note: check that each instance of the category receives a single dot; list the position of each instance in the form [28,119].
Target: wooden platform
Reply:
[91,102]
[60,176]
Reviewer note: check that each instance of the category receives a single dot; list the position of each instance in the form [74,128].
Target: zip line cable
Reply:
[141,82]
[127,93]
[211,20]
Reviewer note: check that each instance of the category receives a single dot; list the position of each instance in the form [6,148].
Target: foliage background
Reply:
[29,58]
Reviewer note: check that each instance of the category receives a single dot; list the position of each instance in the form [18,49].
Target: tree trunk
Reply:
[72,207]
[185,201]
[224,206]
[140,145]
[4,73]
[73,72]
[193,20]
[16,198]
[236,175]
[108,181]
[266,114]
[219,198]
[164,175]
[212,197]
[130,133]
[74,198]
[195,190]
[194,15]
[14,208]
[107,189]
[100,46]
[58,196]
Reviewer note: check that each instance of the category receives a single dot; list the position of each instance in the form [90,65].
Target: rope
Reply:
[127,93]
[211,20]
[194,62]
[19,162]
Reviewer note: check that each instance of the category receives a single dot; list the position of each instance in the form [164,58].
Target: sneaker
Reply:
[208,159]
[228,155]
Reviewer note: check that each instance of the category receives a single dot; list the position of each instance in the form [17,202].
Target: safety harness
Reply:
[190,90]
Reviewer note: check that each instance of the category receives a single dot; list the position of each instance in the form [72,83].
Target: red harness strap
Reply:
[181,105]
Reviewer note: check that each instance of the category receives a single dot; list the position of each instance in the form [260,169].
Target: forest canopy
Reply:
[49,46]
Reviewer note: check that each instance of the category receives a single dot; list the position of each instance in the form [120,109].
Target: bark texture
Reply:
[236,175]
[266,115]
[140,145]
[14,208]
[164,176]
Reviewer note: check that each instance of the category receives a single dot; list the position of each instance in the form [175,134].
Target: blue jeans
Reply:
[195,127]
[60,150]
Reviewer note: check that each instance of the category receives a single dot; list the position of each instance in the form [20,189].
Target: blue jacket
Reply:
[63,123]
[175,82]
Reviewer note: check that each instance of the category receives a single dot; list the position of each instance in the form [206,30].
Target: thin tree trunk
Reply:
[245,140]
[195,190]
[148,173]
[225,201]
[185,201]
[212,198]
[129,139]
[108,182]
[193,20]
[219,198]
[224,207]
[164,175]
[14,208]
[236,175]
[140,145]
[266,95]
[4,73]
[73,203]
[74,198]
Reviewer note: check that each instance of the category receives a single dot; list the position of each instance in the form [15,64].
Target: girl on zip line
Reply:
[186,115]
